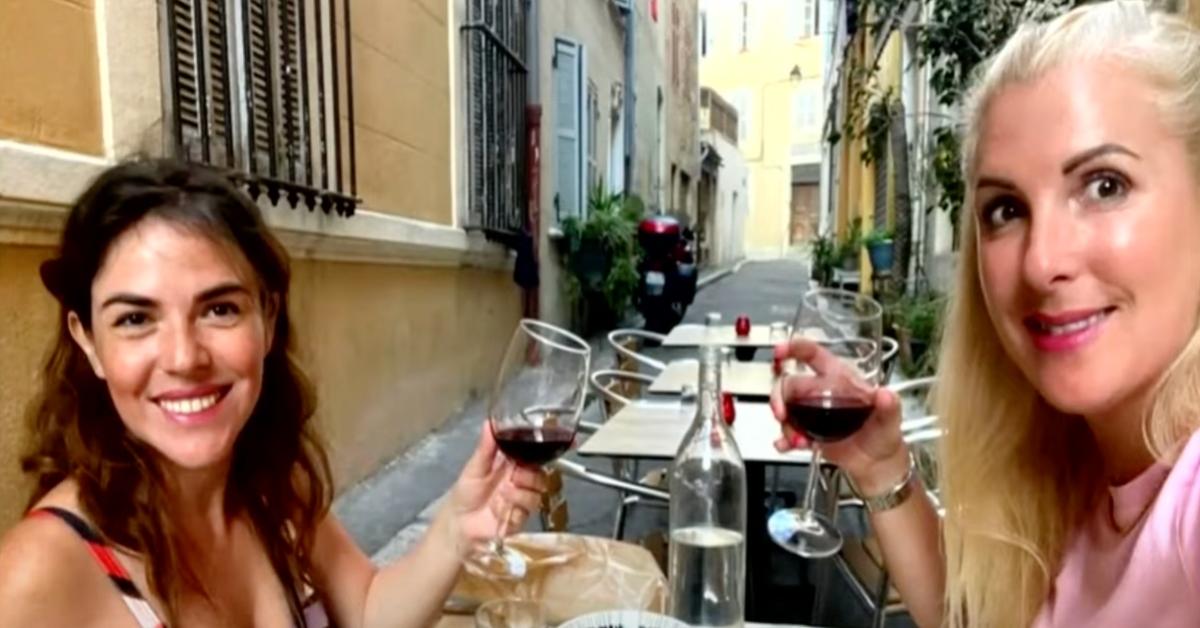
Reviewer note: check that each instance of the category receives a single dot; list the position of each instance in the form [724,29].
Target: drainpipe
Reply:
[630,12]
[533,46]
[533,131]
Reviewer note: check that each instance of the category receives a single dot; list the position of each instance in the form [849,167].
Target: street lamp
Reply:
[795,76]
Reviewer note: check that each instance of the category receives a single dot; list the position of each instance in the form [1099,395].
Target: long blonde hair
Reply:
[1016,475]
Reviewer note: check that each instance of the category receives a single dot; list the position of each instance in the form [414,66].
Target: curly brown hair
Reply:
[279,478]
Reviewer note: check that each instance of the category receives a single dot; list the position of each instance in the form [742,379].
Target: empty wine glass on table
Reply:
[828,402]
[533,411]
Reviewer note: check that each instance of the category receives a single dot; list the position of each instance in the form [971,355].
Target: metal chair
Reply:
[861,560]
[607,384]
[888,360]
[580,472]
[620,339]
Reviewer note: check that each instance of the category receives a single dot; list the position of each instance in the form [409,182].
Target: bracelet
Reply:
[896,495]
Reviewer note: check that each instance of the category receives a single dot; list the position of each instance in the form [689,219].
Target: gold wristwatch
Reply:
[896,495]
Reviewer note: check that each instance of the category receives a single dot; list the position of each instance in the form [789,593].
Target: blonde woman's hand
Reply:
[490,488]
[874,456]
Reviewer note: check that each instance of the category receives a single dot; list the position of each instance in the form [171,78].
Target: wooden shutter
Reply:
[567,129]
[260,88]
[198,65]
[293,115]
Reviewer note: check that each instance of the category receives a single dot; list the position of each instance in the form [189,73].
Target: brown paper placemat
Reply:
[573,575]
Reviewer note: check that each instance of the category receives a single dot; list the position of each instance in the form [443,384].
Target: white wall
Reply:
[732,203]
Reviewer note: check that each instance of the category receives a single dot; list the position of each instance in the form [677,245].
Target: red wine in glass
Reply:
[534,446]
[829,418]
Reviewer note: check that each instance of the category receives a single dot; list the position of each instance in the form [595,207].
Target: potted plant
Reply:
[847,250]
[880,249]
[824,259]
[917,320]
[601,254]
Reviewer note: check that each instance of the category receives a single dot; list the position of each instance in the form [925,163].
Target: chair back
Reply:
[626,342]
[618,388]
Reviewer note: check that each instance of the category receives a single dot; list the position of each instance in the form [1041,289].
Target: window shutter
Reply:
[567,146]
[293,114]
[278,142]
[198,39]
[260,88]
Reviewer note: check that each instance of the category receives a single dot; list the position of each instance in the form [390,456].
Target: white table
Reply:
[693,335]
[654,429]
[745,379]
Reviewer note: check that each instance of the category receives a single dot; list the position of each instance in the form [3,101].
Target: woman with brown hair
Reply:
[172,448]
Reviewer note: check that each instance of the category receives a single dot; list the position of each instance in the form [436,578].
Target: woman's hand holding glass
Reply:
[873,456]
[490,489]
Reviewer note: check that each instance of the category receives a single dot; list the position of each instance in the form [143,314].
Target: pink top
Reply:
[1136,561]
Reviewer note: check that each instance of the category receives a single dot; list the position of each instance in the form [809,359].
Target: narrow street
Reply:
[388,512]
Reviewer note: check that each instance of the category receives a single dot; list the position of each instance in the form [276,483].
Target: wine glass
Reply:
[828,402]
[533,412]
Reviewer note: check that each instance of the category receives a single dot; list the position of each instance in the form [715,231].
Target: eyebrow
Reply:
[995,182]
[1093,153]
[125,298]
[135,300]
[221,290]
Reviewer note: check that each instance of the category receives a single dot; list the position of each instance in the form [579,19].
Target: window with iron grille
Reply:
[494,41]
[257,88]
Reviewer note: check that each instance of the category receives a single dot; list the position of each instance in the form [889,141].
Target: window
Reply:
[593,138]
[802,19]
[494,43]
[805,109]
[703,30]
[616,141]
[569,129]
[806,117]
[255,88]
[827,18]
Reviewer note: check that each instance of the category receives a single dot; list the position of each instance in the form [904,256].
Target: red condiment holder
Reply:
[742,326]
[728,409]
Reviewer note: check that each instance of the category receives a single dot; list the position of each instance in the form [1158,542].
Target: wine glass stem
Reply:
[814,472]
[502,524]
[498,541]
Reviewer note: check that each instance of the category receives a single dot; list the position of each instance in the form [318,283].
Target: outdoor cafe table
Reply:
[693,335]
[742,379]
[653,428]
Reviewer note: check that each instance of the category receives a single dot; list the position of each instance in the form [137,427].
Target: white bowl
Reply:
[624,619]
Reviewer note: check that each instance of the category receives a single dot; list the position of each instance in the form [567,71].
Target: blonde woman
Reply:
[1070,369]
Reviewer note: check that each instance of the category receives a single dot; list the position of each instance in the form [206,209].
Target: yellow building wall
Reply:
[856,191]
[402,107]
[60,106]
[28,314]
[763,72]
[395,350]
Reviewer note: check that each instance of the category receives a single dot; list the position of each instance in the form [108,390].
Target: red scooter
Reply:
[668,272]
